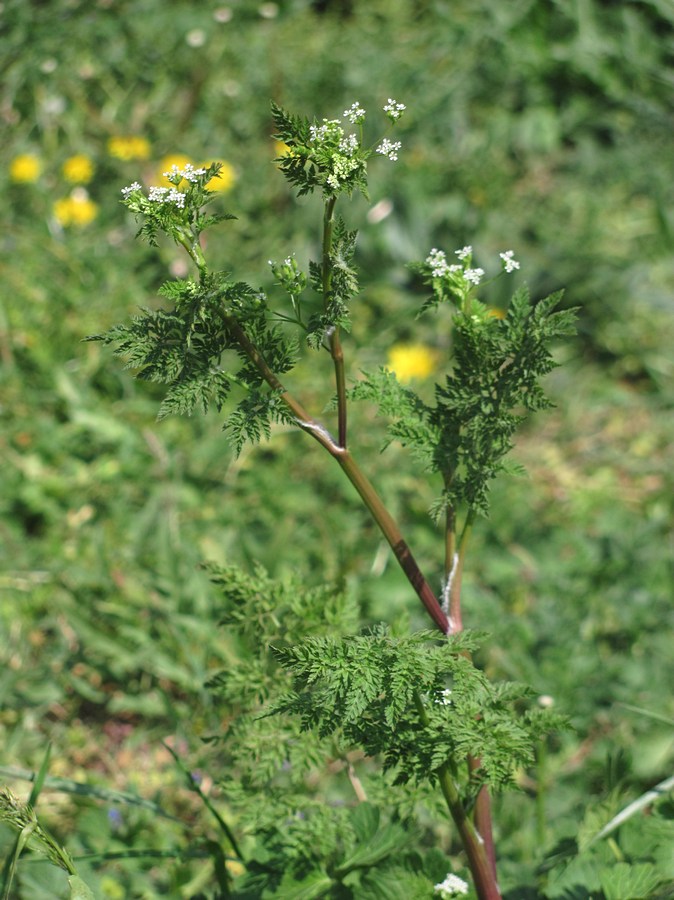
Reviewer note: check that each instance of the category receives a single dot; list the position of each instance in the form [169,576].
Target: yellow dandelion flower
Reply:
[234,867]
[225,180]
[282,149]
[25,168]
[410,361]
[78,169]
[166,164]
[128,147]
[77,210]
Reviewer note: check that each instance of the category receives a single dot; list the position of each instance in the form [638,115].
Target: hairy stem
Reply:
[479,862]
[454,561]
[458,559]
[336,351]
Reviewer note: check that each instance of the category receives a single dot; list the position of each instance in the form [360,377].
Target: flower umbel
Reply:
[452,886]
[355,113]
[394,110]
[389,148]
[509,264]
[475,276]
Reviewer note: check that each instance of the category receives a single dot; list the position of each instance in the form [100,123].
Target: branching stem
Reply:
[353,472]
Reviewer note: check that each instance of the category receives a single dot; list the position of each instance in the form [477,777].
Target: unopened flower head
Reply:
[452,886]
[355,113]
[394,110]
[342,167]
[389,148]
[509,264]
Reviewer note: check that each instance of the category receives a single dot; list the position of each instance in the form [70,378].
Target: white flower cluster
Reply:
[389,148]
[167,195]
[444,698]
[189,173]
[475,276]
[330,128]
[349,145]
[394,110]
[437,260]
[345,160]
[355,113]
[509,264]
[130,189]
[452,886]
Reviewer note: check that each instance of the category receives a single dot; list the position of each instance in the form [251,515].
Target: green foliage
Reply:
[370,687]
[634,864]
[184,346]
[496,371]
[545,123]
[337,854]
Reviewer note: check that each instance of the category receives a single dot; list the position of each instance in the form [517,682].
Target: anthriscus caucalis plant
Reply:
[417,703]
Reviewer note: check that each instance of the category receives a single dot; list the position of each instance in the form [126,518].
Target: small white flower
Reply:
[177,197]
[464,252]
[173,172]
[349,145]
[189,173]
[474,275]
[157,194]
[444,698]
[167,195]
[394,110]
[452,886]
[437,260]
[509,264]
[389,148]
[355,114]
[131,188]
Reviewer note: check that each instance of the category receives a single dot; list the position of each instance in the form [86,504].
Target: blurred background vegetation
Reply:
[542,127]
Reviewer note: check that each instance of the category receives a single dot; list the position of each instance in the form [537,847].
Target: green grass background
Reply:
[545,127]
